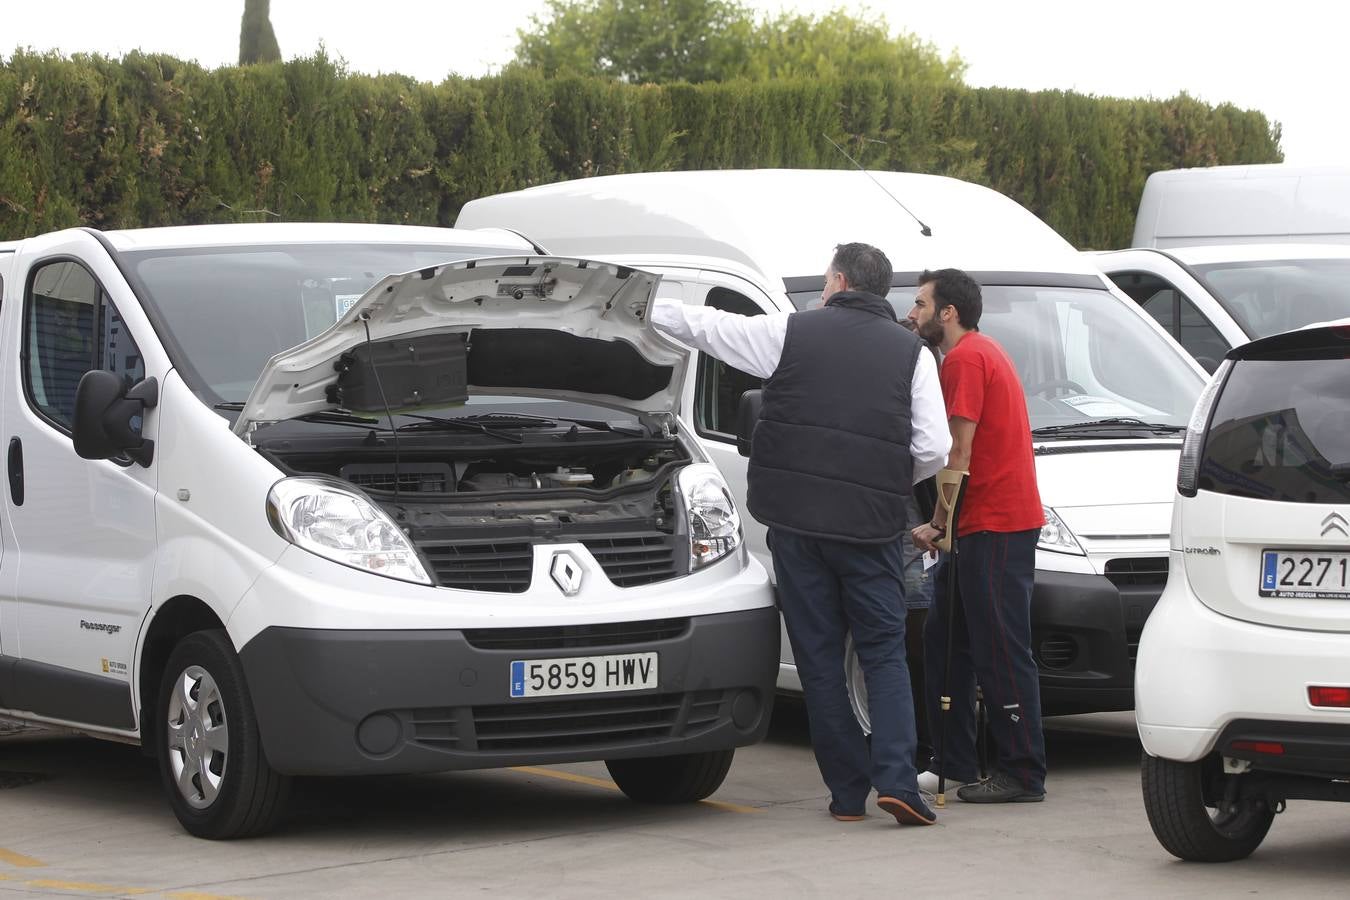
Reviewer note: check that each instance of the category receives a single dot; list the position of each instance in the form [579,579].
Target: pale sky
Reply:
[1288,59]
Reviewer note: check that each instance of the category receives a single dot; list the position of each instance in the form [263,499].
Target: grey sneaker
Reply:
[998,788]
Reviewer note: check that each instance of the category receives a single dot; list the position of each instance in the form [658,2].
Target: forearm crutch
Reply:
[950,491]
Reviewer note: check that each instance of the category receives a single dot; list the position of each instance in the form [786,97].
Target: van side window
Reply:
[1174,311]
[717,392]
[70,327]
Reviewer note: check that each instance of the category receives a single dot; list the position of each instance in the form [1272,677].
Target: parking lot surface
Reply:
[86,818]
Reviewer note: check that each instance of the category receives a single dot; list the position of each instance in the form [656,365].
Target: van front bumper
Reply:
[343,702]
[1084,634]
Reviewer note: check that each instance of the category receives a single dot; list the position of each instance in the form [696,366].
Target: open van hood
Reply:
[533,326]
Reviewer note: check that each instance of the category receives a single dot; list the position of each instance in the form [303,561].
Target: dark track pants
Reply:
[992,642]
[828,589]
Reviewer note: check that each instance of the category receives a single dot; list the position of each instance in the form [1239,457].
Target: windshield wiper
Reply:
[459,423]
[1114,423]
[525,420]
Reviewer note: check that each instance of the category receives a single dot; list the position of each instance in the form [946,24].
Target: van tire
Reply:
[1174,797]
[687,778]
[246,797]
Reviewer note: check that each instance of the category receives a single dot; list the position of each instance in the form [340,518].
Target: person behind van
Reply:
[1001,517]
[852,418]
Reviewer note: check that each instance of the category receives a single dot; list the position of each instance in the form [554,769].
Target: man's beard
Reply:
[931,331]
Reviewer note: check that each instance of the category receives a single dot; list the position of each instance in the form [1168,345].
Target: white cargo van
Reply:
[1214,297]
[324,499]
[1261,204]
[1108,392]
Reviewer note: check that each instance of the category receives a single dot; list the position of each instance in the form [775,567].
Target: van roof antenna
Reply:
[923,229]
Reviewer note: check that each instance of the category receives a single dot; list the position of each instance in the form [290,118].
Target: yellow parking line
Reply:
[18,859]
[84,886]
[611,786]
[568,776]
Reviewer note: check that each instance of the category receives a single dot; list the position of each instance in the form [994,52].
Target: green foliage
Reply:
[662,41]
[152,140]
[257,40]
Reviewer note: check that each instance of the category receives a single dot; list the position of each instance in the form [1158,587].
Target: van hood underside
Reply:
[548,327]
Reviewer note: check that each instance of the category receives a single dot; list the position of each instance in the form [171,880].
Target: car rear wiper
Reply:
[457,423]
[1114,423]
[525,420]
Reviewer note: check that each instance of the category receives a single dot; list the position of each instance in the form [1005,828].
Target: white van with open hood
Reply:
[323,499]
[1108,392]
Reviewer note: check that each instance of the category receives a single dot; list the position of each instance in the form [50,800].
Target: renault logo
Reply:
[566,572]
[1335,522]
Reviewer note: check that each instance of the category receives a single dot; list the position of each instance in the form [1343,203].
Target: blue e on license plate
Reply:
[583,675]
[1305,574]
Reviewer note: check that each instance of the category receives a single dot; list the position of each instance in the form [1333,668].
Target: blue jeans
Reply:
[992,641]
[828,589]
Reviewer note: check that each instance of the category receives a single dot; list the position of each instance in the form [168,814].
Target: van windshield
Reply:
[231,309]
[1081,354]
[1271,296]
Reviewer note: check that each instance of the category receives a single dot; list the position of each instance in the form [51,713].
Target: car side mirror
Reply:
[747,417]
[108,417]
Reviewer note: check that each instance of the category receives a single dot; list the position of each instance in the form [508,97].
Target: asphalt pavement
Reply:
[80,817]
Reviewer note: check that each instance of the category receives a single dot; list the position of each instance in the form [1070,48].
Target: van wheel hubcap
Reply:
[198,736]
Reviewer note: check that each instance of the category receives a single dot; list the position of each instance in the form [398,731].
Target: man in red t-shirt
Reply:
[1000,521]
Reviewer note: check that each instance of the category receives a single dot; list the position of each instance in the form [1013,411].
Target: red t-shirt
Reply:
[979,383]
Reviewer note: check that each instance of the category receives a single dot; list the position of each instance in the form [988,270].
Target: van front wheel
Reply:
[211,759]
[687,778]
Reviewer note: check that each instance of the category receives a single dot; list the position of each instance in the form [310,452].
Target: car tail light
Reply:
[1269,748]
[1188,467]
[1329,696]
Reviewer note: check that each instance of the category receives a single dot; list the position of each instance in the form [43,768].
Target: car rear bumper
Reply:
[1199,673]
[338,702]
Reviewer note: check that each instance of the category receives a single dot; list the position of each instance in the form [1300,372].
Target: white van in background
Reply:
[1261,204]
[1108,393]
[1212,297]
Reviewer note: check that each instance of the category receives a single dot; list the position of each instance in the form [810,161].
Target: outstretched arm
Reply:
[753,344]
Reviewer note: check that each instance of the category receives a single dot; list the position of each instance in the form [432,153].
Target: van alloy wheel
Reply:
[856,686]
[198,735]
[211,758]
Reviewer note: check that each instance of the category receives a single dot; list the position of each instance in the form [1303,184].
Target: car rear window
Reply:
[1281,431]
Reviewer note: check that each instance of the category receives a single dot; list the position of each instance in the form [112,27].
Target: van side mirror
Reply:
[747,417]
[108,417]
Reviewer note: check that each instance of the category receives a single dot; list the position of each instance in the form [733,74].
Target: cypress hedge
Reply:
[153,140]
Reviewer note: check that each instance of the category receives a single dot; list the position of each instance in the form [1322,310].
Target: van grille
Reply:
[633,560]
[1057,651]
[1137,571]
[500,567]
[564,637]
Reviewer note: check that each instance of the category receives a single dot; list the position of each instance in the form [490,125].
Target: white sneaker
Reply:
[928,781]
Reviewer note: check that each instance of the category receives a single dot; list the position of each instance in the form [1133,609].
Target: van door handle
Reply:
[16,470]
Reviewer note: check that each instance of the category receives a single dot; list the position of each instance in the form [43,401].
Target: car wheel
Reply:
[856,686]
[687,778]
[210,753]
[1188,814]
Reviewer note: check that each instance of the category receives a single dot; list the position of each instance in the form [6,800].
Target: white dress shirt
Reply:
[754,344]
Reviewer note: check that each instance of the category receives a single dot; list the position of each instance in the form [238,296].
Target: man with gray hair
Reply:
[852,418]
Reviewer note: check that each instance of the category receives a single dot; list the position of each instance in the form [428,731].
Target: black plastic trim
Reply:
[59,693]
[314,689]
[1310,748]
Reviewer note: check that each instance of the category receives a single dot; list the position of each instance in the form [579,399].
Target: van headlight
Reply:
[714,525]
[336,522]
[1056,536]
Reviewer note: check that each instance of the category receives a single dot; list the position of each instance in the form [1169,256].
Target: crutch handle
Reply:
[951,484]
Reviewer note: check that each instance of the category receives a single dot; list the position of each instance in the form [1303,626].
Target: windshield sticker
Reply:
[344,302]
[1098,407]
